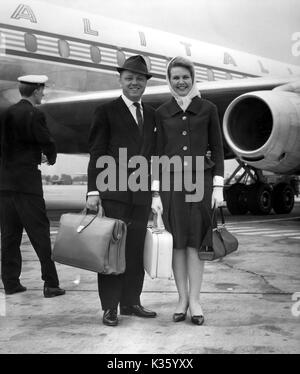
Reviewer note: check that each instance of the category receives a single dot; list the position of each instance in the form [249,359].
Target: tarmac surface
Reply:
[250,299]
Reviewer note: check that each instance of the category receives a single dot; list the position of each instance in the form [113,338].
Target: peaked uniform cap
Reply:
[136,64]
[33,79]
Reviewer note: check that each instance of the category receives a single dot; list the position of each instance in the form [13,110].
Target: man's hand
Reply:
[46,161]
[208,154]
[217,197]
[93,202]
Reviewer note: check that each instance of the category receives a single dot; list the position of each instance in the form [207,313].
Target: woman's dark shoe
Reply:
[178,317]
[197,320]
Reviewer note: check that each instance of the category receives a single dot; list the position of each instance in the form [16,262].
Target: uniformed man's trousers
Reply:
[19,211]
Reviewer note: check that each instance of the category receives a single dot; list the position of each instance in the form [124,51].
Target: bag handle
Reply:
[221,214]
[89,218]
[158,223]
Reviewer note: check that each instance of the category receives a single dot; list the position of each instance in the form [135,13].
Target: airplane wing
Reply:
[69,118]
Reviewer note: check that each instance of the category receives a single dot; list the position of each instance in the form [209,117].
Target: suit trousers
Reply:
[17,211]
[125,289]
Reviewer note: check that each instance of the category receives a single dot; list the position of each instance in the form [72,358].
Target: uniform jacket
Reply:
[113,128]
[24,136]
[191,133]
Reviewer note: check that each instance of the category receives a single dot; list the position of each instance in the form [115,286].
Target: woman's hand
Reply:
[217,197]
[156,204]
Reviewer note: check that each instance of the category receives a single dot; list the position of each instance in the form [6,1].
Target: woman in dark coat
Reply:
[188,126]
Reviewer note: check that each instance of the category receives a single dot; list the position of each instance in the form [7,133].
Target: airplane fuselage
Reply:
[80,51]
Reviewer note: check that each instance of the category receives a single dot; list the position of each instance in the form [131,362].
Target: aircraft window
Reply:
[30,42]
[148,62]
[210,75]
[201,74]
[95,54]
[63,48]
[120,57]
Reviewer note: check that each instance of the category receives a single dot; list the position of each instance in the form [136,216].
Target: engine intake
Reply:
[263,129]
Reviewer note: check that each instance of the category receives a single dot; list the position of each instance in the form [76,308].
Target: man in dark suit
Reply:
[124,123]
[25,142]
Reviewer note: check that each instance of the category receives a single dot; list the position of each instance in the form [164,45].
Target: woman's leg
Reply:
[195,269]
[181,279]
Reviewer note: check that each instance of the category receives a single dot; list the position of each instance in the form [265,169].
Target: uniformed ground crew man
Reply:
[25,142]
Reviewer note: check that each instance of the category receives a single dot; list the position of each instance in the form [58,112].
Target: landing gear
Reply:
[283,198]
[252,193]
[236,199]
[259,198]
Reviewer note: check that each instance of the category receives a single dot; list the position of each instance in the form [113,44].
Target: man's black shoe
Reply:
[53,291]
[17,289]
[110,317]
[137,310]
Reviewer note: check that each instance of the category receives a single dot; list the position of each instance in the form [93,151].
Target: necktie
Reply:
[139,116]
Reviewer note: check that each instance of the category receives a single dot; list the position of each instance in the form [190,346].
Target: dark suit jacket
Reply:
[191,133]
[24,135]
[114,127]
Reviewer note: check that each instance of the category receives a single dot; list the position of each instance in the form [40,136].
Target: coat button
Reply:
[184,132]
[184,148]
[184,118]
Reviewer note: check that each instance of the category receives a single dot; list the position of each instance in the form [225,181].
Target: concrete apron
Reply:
[246,299]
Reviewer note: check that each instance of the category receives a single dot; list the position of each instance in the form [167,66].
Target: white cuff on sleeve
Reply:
[93,193]
[218,181]
[155,185]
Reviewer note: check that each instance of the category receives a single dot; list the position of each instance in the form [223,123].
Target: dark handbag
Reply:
[91,242]
[223,242]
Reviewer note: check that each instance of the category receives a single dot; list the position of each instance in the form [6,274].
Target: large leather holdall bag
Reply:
[158,250]
[91,242]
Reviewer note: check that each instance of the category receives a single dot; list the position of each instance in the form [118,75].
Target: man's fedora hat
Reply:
[135,64]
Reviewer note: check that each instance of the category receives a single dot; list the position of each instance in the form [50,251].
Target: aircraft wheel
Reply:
[283,198]
[260,198]
[236,199]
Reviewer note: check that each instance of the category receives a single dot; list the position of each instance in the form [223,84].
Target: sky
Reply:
[262,27]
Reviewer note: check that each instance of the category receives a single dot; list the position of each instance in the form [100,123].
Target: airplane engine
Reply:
[263,130]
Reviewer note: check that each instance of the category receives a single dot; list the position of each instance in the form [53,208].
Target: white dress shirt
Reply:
[132,108]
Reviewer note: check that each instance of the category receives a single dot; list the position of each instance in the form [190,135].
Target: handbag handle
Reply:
[158,221]
[221,214]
